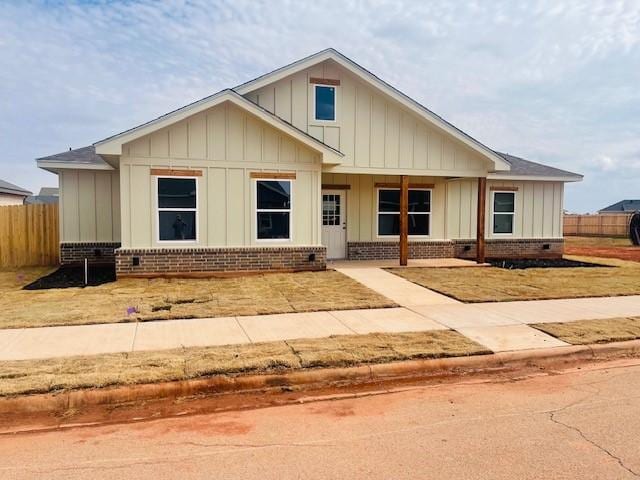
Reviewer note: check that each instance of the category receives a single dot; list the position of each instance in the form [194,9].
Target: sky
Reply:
[551,81]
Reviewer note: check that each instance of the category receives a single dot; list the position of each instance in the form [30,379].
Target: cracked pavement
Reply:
[583,423]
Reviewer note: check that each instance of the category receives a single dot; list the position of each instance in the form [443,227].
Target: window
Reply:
[177,209]
[330,209]
[503,212]
[389,212]
[273,209]
[325,103]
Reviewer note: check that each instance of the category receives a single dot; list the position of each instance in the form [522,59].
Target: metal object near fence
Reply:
[634,228]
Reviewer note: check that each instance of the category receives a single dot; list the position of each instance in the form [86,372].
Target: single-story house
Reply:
[623,206]
[317,160]
[46,196]
[11,194]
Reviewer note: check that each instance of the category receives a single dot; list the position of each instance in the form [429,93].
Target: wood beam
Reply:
[273,175]
[324,81]
[175,172]
[404,219]
[482,197]
[397,185]
[331,186]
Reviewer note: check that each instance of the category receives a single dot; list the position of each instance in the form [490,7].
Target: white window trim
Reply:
[494,213]
[159,209]
[378,212]
[256,210]
[335,104]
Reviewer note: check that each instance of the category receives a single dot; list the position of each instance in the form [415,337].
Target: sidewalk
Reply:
[498,326]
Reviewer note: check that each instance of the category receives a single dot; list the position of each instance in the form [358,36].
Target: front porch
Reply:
[402,217]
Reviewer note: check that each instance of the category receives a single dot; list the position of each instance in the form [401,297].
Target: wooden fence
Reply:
[29,235]
[600,225]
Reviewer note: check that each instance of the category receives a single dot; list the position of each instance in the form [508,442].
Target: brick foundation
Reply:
[391,250]
[159,261]
[512,248]
[95,252]
[495,248]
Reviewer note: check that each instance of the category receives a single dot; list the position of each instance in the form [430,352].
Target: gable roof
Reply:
[11,189]
[506,166]
[527,170]
[623,206]
[113,145]
[375,81]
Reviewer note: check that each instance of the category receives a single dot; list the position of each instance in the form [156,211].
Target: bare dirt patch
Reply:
[491,284]
[136,299]
[605,247]
[42,376]
[586,332]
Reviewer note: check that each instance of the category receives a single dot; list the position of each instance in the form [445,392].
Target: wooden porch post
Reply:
[404,219]
[482,196]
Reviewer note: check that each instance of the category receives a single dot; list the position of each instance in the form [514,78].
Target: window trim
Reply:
[257,210]
[378,213]
[335,104]
[159,209]
[494,213]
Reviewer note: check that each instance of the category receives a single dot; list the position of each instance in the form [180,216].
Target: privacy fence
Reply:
[29,235]
[601,225]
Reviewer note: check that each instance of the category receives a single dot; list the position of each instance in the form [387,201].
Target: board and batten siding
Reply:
[376,133]
[539,209]
[226,144]
[90,206]
[454,203]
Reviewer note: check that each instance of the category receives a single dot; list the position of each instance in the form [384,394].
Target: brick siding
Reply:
[95,252]
[512,248]
[495,248]
[161,261]
[391,250]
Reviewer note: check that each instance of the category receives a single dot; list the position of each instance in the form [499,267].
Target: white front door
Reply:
[334,223]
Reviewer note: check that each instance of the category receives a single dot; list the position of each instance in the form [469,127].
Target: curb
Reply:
[314,378]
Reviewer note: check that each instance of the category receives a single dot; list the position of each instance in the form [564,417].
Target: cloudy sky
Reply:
[552,81]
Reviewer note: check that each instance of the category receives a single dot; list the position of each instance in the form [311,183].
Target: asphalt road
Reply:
[577,425]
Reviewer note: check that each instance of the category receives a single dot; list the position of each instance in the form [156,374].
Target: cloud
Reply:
[547,80]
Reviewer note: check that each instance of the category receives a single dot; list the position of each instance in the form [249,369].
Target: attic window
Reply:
[325,103]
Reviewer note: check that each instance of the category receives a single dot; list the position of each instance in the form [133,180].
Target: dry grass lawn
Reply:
[161,299]
[585,332]
[491,284]
[41,376]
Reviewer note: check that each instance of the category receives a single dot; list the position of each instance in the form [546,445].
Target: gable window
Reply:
[389,212]
[273,209]
[325,103]
[177,209]
[504,205]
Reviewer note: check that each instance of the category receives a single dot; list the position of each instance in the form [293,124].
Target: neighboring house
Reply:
[302,164]
[623,206]
[11,194]
[47,195]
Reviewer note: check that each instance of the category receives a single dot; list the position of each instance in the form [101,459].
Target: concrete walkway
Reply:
[401,291]
[498,326]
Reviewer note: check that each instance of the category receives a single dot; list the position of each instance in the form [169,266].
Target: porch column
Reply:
[404,219]
[482,196]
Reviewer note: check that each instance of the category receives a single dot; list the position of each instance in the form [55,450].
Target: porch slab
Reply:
[386,320]
[199,332]
[506,338]
[288,326]
[401,291]
[421,262]
[51,342]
